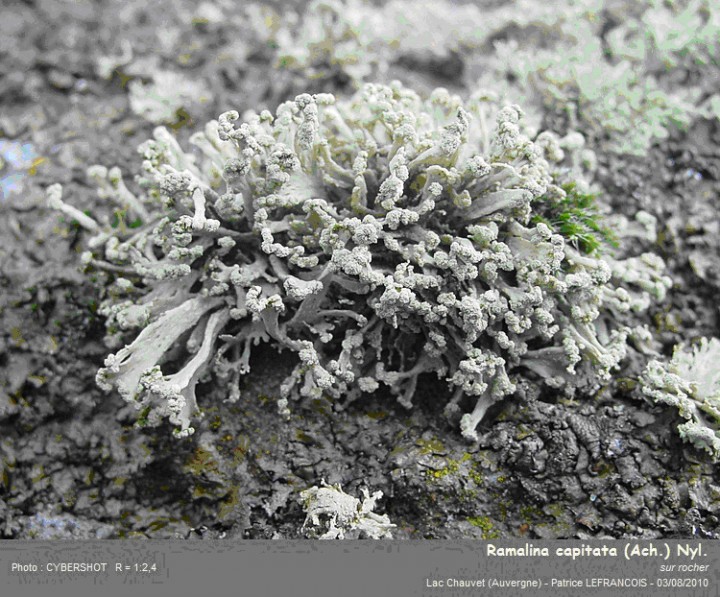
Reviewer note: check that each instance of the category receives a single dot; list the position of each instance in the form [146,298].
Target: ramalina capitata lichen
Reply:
[690,381]
[376,239]
[333,514]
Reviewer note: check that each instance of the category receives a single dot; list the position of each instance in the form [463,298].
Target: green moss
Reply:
[142,419]
[576,217]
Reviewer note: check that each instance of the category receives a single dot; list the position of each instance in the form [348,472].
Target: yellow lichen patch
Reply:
[476,475]
[202,461]
[32,170]
[17,336]
[230,504]
[452,467]
[241,449]
[430,446]
[377,415]
[124,79]
[522,432]
[485,525]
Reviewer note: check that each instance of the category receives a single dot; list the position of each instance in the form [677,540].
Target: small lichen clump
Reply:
[333,514]
[378,239]
[691,383]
